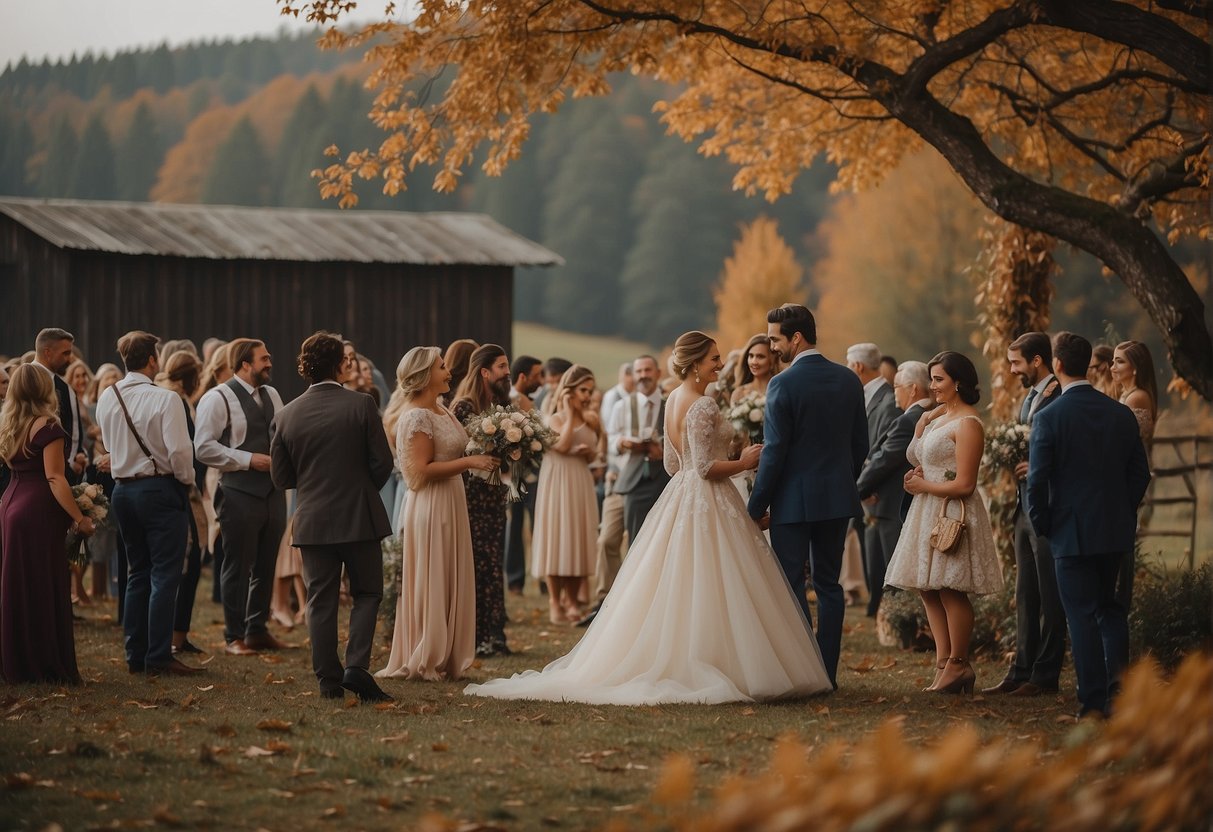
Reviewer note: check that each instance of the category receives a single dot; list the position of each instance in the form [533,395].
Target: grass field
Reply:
[250,745]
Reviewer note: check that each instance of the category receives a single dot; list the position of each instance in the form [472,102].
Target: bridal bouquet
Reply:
[748,414]
[517,438]
[91,501]
[1006,445]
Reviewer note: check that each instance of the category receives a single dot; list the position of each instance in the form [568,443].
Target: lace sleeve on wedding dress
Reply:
[703,417]
[670,458]
[912,452]
[412,422]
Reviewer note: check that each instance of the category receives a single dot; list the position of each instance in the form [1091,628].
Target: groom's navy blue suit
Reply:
[1087,473]
[815,441]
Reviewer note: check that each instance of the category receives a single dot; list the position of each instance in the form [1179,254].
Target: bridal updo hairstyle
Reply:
[320,357]
[413,371]
[690,348]
[961,370]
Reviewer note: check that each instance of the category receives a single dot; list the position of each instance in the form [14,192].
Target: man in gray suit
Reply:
[329,445]
[881,409]
[635,432]
[881,483]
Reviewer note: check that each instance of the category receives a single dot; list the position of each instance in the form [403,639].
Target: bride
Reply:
[701,611]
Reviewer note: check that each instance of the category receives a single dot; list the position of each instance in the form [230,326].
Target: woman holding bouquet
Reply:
[758,365]
[435,613]
[565,544]
[36,639]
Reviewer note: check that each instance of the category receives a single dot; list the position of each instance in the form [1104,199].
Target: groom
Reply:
[815,443]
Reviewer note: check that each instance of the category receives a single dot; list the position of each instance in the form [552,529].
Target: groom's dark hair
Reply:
[1073,352]
[792,318]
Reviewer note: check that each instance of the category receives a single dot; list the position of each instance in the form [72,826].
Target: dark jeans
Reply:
[188,589]
[1099,626]
[252,531]
[363,562]
[515,550]
[1040,621]
[819,544]
[152,515]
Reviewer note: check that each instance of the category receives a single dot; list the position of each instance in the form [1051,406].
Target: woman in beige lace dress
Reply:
[1133,372]
[435,634]
[946,451]
[564,543]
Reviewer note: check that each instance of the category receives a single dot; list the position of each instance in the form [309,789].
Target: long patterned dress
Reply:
[486,513]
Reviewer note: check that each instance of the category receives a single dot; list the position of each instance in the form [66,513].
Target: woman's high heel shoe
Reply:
[939,666]
[962,683]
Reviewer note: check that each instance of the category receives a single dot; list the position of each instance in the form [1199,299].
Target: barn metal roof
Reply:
[226,232]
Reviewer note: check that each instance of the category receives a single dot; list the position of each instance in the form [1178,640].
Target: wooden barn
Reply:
[386,280]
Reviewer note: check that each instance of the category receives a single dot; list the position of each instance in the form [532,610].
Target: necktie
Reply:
[1027,406]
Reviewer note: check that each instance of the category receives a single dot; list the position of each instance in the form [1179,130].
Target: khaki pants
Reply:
[610,545]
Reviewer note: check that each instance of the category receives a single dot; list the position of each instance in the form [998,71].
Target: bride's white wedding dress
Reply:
[700,612]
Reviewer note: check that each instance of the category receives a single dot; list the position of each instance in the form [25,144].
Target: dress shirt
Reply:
[800,355]
[610,399]
[160,419]
[869,389]
[76,429]
[1071,384]
[620,426]
[1033,400]
[212,420]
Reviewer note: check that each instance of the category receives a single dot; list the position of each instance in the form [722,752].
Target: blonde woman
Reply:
[564,543]
[701,611]
[36,639]
[435,634]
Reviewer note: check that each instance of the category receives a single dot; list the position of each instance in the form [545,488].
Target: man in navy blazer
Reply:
[1087,474]
[815,441]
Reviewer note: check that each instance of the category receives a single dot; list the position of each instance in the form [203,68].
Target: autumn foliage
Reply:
[1082,119]
[761,275]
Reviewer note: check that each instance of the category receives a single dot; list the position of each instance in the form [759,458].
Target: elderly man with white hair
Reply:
[881,407]
[881,483]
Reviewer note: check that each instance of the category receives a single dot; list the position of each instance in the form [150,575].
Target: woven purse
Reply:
[946,533]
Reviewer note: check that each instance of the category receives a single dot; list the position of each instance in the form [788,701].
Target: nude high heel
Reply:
[963,682]
[939,666]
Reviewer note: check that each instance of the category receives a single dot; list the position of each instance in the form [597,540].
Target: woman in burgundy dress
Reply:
[36,639]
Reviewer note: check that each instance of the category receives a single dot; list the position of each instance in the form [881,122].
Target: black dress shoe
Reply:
[135,668]
[1005,686]
[265,641]
[174,668]
[358,681]
[187,646]
[332,693]
[1033,689]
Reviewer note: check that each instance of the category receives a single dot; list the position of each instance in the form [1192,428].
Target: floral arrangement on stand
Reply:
[748,415]
[1006,445]
[515,437]
[92,502]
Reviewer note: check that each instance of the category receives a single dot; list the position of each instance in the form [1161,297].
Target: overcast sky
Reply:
[57,28]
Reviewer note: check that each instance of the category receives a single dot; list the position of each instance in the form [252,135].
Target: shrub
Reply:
[393,553]
[1172,612]
[902,621]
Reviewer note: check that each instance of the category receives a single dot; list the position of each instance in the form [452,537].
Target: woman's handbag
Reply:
[945,534]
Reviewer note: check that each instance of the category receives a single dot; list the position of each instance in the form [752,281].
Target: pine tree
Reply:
[139,155]
[14,158]
[239,175]
[93,171]
[161,71]
[302,151]
[57,169]
[761,274]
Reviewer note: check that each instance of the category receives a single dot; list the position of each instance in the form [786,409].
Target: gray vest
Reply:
[637,469]
[256,441]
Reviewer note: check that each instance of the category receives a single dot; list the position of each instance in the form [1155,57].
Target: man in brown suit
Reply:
[329,445]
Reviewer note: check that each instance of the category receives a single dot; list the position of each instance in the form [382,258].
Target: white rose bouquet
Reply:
[91,501]
[748,415]
[515,437]
[1006,445]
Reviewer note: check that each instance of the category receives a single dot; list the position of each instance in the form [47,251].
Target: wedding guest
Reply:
[486,385]
[53,354]
[457,356]
[288,602]
[526,373]
[636,432]
[879,524]
[611,527]
[391,419]
[553,370]
[78,378]
[888,368]
[946,452]
[104,544]
[218,371]
[107,374]
[329,446]
[181,373]
[234,432]
[1099,372]
[566,511]
[5,474]
[208,348]
[435,635]
[755,369]
[1087,476]
[881,484]
[1133,372]
[351,374]
[170,348]
[1040,623]
[37,643]
[366,380]
[153,464]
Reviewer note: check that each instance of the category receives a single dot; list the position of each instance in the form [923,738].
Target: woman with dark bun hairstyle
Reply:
[946,452]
